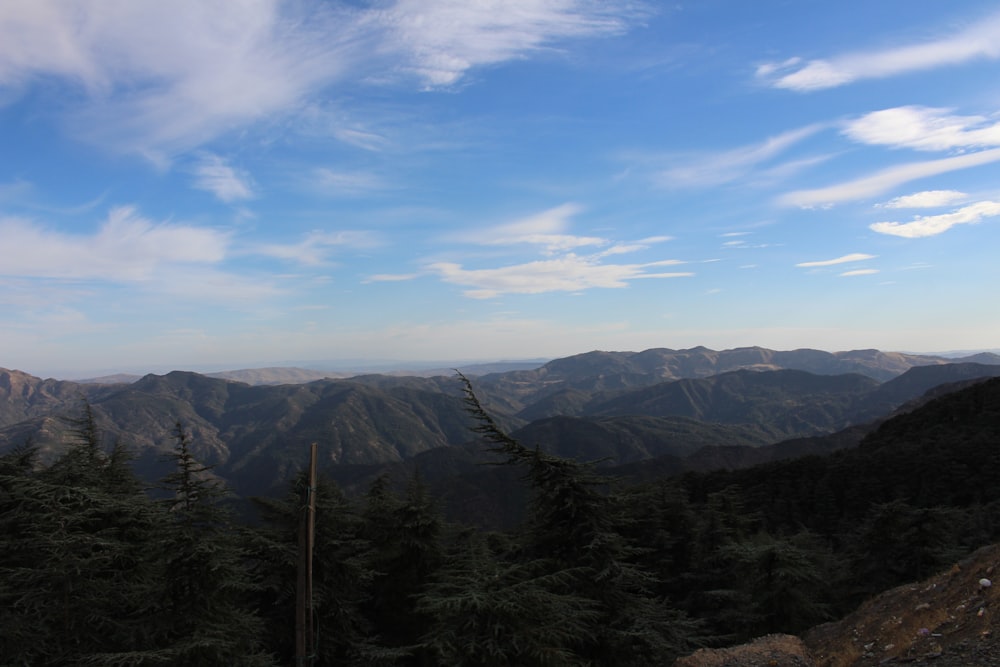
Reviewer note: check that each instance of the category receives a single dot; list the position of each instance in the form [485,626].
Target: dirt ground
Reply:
[949,620]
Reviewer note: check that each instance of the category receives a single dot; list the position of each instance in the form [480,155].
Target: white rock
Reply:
[985,583]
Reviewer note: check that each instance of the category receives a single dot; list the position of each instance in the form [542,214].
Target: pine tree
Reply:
[784,581]
[491,611]
[75,559]
[203,602]
[406,540]
[577,526]
[341,576]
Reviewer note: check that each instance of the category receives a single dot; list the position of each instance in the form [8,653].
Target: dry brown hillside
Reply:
[949,620]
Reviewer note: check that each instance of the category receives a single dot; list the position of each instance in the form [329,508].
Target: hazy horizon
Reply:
[206,182]
[364,366]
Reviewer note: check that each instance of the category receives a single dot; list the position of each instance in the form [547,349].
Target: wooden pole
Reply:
[304,621]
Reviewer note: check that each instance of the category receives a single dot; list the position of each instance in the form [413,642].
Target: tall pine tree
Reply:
[206,590]
[576,524]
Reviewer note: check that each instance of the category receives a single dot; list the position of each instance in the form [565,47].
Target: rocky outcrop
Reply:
[769,651]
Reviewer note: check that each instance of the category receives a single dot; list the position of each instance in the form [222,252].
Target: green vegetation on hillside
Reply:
[95,570]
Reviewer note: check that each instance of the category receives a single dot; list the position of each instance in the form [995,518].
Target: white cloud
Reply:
[859,272]
[845,259]
[886,179]
[569,273]
[392,277]
[727,166]
[923,128]
[925,199]
[933,225]
[127,247]
[212,174]
[446,38]
[546,229]
[316,248]
[344,183]
[979,41]
[636,246]
[161,78]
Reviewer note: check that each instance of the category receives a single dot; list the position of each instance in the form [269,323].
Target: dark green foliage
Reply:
[93,572]
[575,528]
[201,604]
[781,583]
[492,612]
[75,568]
[914,497]
[341,576]
[407,551]
[897,543]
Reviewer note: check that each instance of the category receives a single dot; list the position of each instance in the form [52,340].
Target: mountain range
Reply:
[635,412]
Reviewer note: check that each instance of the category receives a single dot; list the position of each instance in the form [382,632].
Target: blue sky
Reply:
[231,183]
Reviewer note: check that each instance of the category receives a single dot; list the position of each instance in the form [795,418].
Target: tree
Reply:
[75,563]
[576,525]
[342,576]
[406,552]
[490,611]
[202,606]
[783,581]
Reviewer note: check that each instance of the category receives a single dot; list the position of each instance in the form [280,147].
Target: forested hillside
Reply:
[621,408]
[96,570]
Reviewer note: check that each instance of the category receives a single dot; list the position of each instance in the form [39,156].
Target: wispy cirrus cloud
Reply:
[707,169]
[978,41]
[445,38]
[160,79]
[215,175]
[932,225]
[923,128]
[126,247]
[338,183]
[881,181]
[547,229]
[562,270]
[925,199]
[317,247]
[859,272]
[844,259]
[569,273]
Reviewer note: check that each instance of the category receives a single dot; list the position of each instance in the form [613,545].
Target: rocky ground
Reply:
[949,620]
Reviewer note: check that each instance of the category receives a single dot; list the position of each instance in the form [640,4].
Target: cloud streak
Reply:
[547,229]
[159,79]
[926,199]
[979,41]
[126,248]
[214,175]
[563,270]
[933,225]
[569,273]
[845,259]
[446,38]
[924,129]
[315,249]
[881,181]
[727,166]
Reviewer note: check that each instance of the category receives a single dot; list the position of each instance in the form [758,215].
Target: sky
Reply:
[212,184]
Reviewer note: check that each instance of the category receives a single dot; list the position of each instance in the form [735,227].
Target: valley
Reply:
[763,492]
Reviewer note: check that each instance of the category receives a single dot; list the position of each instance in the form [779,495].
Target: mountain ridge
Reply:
[615,406]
